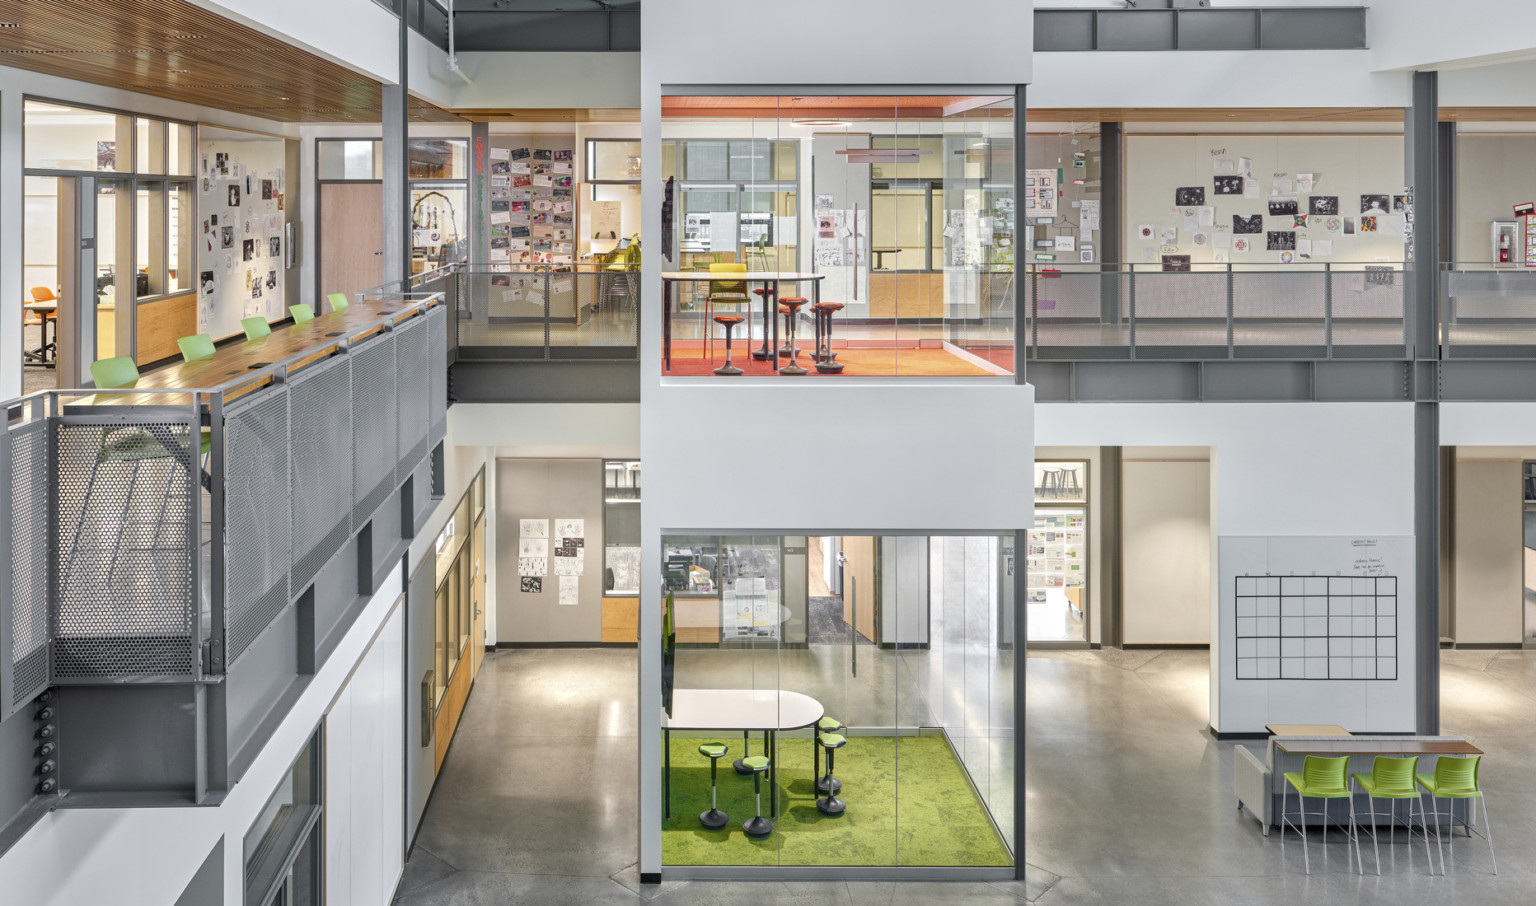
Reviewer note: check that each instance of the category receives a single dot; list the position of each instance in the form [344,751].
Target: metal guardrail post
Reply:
[1231,310]
[1034,309]
[1131,276]
[217,565]
[546,311]
[1445,309]
[1328,309]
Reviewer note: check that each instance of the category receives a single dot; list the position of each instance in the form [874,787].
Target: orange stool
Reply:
[825,358]
[730,321]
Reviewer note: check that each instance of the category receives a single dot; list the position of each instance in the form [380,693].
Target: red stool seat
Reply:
[786,300]
[729,319]
[828,306]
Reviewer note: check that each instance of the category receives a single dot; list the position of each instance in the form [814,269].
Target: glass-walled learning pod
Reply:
[815,236]
[837,701]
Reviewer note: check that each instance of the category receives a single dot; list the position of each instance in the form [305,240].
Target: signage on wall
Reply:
[1525,209]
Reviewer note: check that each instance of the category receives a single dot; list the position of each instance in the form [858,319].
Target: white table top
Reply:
[738,276]
[742,709]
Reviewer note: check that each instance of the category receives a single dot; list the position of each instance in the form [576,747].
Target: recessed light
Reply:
[285,99]
[180,71]
[10,24]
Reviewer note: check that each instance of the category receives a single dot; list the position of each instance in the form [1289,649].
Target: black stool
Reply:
[825,358]
[714,819]
[789,307]
[757,826]
[730,321]
[767,294]
[830,805]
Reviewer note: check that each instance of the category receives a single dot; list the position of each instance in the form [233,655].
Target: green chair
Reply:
[1392,779]
[1320,778]
[338,301]
[758,826]
[830,805]
[197,346]
[301,313]
[1457,778]
[714,819]
[110,374]
[825,784]
[256,328]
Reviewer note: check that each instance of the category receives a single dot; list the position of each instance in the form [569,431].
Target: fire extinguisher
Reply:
[1504,250]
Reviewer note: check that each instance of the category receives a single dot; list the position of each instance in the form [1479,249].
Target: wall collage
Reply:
[242,193]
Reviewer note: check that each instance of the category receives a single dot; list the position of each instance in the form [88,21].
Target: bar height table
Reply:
[743,710]
[770,281]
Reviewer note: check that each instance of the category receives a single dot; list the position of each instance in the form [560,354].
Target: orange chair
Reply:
[45,352]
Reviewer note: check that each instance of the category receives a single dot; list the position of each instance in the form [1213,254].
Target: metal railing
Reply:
[552,312]
[1487,311]
[153,534]
[1305,311]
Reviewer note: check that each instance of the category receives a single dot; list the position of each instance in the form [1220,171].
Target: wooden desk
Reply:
[1365,745]
[768,710]
[770,281]
[1306,730]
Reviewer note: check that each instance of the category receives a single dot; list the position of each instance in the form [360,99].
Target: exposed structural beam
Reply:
[1257,28]
[1422,141]
[1111,251]
[396,123]
[1020,225]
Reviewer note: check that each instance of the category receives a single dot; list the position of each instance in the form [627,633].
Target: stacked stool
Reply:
[830,805]
[714,819]
[789,307]
[825,358]
[757,826]
[824,783]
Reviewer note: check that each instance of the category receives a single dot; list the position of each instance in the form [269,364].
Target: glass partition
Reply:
[871,674]
[904,252]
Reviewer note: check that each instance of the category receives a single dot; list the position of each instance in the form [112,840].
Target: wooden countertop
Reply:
[1366,745]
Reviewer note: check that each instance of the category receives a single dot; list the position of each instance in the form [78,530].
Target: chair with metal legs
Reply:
[1457,778]
[1392,779]
[1320,778]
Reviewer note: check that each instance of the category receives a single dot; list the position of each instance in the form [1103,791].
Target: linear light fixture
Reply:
[829,123]
[883,155]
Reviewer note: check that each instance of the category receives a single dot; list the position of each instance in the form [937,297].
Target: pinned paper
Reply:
[568,591]
[1066,243]
[1304,182]
[1225,165]
[1245,166]
[501,153]
[1250,188]
[1208,216]
[1168,235]
[1281,186]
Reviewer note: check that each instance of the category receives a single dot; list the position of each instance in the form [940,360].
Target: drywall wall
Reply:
[1488,547]
[1166,551]
[1493,174]
[550,490]
[1343,167]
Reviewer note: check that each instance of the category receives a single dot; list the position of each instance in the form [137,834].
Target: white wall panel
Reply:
[1166,552]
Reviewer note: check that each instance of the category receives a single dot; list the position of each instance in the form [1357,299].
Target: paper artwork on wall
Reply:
[1189,196]
[1201,239]
[1402,203]
[1066,243]
[1168,235]
[1250,188]
[1247,223]
[1225,165]
[1220,256]
[1240,244]
[1221,239]
[569,566]
[1323,204]
[1349,226]
[569,588]
[533,547]
[532,566]
[1368,224]
[1304,182]
[532,585]
[1282,207]
[1299,221]
[1175,264]
[1146,230]
[1280,186]
[1280,240]
[570,528]
[1375,204]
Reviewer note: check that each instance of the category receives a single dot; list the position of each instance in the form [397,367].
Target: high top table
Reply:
[744,710]
[770,281]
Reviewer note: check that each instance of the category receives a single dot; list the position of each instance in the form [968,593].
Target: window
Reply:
[282,852]
[351,159]
[613,160]
[621,527]
[454,594]
[751,182]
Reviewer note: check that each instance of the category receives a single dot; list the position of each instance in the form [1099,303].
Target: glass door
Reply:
[1056,563]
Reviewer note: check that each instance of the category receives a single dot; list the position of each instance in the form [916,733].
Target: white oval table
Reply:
[746,710]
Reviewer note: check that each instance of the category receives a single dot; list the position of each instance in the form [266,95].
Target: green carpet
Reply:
[916,809]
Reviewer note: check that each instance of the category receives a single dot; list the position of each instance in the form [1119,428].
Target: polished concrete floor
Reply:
[1130,800]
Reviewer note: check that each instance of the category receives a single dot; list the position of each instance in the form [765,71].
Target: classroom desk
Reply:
[744,710]
[1365,745]
[770,281]
[1306,730]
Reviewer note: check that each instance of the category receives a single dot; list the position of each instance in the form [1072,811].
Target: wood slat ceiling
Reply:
[172,49]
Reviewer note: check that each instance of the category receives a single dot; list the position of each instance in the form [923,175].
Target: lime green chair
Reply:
[301,313]
[1320,778]
[1457,778]
[1393,779]
[110,374]
[338,301]
[714,819]
[197,346]
[256,328]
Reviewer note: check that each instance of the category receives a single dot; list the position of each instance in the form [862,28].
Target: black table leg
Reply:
[666,323]
[761,355]
[774,349]
[666,744]
[771,739]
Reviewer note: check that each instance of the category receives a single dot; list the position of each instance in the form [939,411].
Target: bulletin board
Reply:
[242,193]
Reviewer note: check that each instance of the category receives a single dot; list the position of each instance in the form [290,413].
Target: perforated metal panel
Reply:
[374,435]
[124,604]
[320,418]
[437,325]
[256,517]
[414,359]
[27,593]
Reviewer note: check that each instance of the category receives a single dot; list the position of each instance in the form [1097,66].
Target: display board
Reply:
[1316,630]
[242,190]
[532,200]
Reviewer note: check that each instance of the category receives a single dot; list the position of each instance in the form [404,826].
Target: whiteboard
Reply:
[1314,630]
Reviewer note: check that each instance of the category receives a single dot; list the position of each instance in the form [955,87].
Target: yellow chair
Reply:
[727,292]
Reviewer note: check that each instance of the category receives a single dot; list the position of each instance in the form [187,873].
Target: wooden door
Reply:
[477,599]
[860,566]
[351,238]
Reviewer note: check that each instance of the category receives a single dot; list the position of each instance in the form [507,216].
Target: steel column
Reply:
[1020,247]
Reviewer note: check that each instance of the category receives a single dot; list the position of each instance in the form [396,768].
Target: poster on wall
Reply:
[1280,241]
[569,596]
[532,585]
[1040,193]
[1184,196]
[1229,185]
[1247,223]
[1327,205]
[1375,204]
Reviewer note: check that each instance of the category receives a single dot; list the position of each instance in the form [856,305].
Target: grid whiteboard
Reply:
[1316,627]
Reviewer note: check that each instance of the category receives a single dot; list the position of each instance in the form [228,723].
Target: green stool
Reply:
[746,751]
[825,784]
[1456,778]
[714,819]
[1393,779]
[757,826]
[829,804]
[1320,778]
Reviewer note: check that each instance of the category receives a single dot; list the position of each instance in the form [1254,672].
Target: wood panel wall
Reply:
[161,323]
[621,619]
[917,295]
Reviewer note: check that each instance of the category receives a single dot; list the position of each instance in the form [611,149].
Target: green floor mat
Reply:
[909,804]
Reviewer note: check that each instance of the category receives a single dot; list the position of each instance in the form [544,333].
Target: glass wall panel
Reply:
[74,138]
[149,146]
[439,158]
[180,257]
[874,673]
[351,159]
[613,160]
[178,148]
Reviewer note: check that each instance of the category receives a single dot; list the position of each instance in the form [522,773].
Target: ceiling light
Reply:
[883,155]
[10,24]
[180,71]
[821,123]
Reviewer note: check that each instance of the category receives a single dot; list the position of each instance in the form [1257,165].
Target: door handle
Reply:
[426,708]
[853,630]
